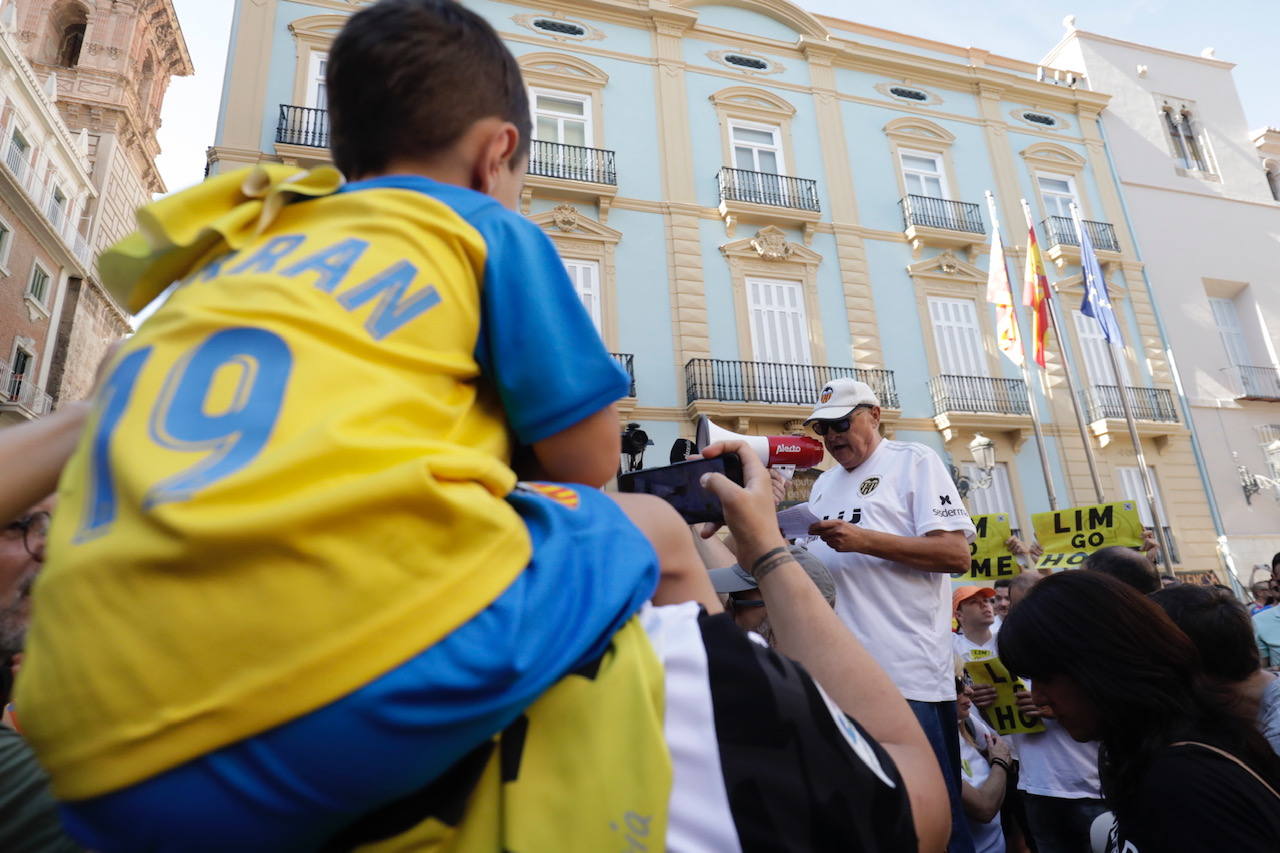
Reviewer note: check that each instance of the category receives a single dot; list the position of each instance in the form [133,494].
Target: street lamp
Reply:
[1252,483]
[983,451]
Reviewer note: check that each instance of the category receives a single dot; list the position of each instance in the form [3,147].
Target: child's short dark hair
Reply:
[407,78]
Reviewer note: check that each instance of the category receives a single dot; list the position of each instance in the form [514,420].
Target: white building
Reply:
[1201,194]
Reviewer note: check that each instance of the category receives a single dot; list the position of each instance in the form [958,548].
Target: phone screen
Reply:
[679,485]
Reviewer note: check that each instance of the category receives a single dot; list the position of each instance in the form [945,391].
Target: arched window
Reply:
[69,24]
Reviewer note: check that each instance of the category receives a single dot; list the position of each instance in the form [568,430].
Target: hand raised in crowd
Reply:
[998,749]
[1017,547]
[839,535]
[984,695]
[1028,706]
[1149,544]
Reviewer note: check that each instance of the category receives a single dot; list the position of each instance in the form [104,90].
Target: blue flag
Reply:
[1097,302]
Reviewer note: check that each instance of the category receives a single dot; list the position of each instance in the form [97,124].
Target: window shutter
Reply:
[1228,322]
[779,331]
[998,497]
[958,338]
[1131,489]
[586,280]
[1096,358]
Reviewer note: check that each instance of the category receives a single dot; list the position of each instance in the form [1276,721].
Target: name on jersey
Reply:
[330,266]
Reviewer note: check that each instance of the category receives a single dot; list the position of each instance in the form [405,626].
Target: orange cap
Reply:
[962,593]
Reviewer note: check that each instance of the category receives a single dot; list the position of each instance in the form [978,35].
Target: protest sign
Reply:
[1004,715]
[1069,535]
[989,558]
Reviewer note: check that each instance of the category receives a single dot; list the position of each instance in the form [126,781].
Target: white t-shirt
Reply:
[974,769]
[963,646]
[902,615]
[1052,764]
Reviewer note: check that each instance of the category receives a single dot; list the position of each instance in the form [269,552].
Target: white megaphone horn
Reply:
[775,451]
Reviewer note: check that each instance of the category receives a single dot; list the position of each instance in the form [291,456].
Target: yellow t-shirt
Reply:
[294,477]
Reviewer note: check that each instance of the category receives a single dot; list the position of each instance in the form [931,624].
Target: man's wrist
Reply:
[765,564]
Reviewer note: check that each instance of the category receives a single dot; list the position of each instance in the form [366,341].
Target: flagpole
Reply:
[1072,393]
[1147,484]
[1026,376]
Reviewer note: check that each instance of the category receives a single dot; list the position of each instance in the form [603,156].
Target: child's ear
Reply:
[496,152]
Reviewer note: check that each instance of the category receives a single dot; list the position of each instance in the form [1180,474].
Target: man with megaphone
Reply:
[891,529]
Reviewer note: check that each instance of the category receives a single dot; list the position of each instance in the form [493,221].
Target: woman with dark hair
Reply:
[1181,767]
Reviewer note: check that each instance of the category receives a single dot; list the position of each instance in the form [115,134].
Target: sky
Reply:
[1241,31]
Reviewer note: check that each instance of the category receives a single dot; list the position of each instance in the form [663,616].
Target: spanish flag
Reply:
[1035,294]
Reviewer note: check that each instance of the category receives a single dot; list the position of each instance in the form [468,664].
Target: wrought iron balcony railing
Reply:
[926,212]
[978,394]
[766,188]
[1060,230]
[768,382]
[17,391]
[572,162]
[306,126]
[626,361]
[1256,383]
[1148,404]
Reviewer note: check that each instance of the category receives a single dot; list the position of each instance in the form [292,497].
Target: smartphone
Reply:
[679,485]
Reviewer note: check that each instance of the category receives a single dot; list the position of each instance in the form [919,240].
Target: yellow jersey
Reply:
[294,476]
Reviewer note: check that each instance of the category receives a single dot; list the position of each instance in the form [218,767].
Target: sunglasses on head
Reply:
[964,681]
[823,427]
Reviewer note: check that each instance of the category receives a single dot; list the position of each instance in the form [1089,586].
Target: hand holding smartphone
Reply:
[680,485]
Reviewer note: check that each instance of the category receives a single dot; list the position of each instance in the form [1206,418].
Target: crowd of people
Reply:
[330,566]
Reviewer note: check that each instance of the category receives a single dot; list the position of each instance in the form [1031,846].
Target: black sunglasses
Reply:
[823,427]
[963,682]
[745,602]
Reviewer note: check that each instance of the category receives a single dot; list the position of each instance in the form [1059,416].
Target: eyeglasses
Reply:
[823,427]
[745,602]
[963,681]
[31,528]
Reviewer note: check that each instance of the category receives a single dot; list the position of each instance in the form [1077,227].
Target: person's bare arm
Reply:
[943,551]
[982,803]
[32,456]
[587,452]
[712,549]
[808,630]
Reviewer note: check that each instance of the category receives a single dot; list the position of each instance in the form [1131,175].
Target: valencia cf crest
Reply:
[868,486]
[826,394]
[562,495]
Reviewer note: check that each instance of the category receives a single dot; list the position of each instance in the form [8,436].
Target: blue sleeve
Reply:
[537,343]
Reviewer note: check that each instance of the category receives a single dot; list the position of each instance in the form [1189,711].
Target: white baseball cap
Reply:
[839,397]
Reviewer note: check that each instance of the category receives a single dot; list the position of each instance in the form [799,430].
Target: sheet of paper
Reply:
[794,521]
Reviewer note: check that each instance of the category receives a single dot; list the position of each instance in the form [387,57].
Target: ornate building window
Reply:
[1188,145]
[69,24]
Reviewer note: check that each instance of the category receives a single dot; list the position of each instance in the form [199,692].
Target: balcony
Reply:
[1148,404]
[978,394]
[767,199]
[46,201]
[572,163]
[1154,411]
[306,127]
[942,223]
[1255,383]
[21,396]
[1064,246]
[965,404]
[626,361]
[738,390]
[575,172]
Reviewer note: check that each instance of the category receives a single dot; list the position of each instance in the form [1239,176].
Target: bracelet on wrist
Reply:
[1000,762]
